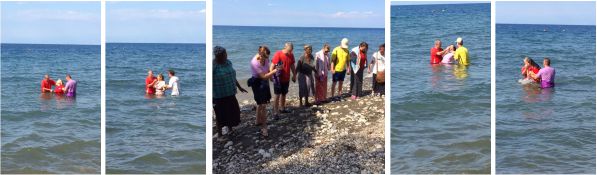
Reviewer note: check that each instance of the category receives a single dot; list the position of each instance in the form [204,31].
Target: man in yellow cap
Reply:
[461,53]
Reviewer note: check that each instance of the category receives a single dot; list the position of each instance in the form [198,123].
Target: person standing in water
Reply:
[59,89]
[358,64]
[47,83]
[71,86]
[285,57]
[150,81]
[461,53]
[172,83]
[436,52]
[547,74]
[159,85]
[340,65]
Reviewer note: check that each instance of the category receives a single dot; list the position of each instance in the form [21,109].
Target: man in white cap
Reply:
[461,53]
[340,65]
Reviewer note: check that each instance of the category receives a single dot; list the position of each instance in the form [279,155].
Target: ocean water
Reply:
[242,42]
[441,115]
[148,134]
[47,133]
[545,131]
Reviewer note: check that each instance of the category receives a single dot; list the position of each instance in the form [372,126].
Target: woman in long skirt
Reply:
[305,69]
[322,66]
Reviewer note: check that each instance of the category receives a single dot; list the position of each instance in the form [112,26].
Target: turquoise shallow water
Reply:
[440,114]
[50,134]
[545,131]
[155,135]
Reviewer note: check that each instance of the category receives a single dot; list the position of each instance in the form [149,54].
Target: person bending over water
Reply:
[529,69]
[448,57]
[59,89]
[47,83]
[159,85]
[547,74]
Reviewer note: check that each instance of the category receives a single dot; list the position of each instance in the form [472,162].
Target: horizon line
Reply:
[51,44]
[546,24]
[226,25]
[120,42]
[438,3]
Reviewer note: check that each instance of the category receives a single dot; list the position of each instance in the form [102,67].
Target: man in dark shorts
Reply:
[340,65]
[284,58]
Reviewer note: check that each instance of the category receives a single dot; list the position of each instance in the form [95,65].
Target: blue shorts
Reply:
[339,76]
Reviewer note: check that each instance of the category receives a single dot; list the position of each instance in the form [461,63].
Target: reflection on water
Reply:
[50,101]
[447,72]
[533,93]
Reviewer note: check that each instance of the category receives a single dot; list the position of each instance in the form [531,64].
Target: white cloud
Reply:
[162,14]
[353,14]
[67,15]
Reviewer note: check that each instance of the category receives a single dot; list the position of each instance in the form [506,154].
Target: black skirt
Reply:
[261,92]
[227,111]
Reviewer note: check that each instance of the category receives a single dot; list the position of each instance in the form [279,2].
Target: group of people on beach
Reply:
[311,72]
[453,54]
[69,89]
[532,72]
[157,85]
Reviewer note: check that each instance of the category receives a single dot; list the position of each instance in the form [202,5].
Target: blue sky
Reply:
[570,13]
[51,22]
[435,2]
[155,22]
[300,13]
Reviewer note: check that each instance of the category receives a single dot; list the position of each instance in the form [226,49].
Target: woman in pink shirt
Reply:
[259,83]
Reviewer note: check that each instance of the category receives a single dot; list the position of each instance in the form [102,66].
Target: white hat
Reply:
[344,43]
[459,40]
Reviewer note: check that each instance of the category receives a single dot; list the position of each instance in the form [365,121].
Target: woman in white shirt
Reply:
[160,85]
[378,67]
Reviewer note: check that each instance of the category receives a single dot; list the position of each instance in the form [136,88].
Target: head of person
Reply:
[363,47]
[546,62]
[160,77]
[344,43]
[220,54]
[59,82]
[528,61]
[308,49]
[382,49]
[438,44]
[459,42]
[149,73]
[46,77]
[171,73]
[263,53]
[288,47]
[326,48]
[68,77]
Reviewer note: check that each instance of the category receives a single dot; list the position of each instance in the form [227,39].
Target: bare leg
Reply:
[333,88]
[276,104]
[283,101]
[340,83]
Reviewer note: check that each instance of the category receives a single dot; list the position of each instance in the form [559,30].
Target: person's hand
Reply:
[294,78]
[347,72]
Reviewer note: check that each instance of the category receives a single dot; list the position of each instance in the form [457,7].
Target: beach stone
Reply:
[228,144]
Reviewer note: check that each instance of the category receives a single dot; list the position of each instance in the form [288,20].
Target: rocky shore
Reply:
[345,136]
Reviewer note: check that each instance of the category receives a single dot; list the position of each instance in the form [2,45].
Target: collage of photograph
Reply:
[298,87]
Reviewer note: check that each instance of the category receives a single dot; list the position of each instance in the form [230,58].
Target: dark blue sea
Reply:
[441,114]
[542,131]
[145,134]
[47,133]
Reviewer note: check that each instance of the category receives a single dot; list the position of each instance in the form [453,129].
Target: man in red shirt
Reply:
[47,83]
[149,82]
[437,52]
[286,58]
